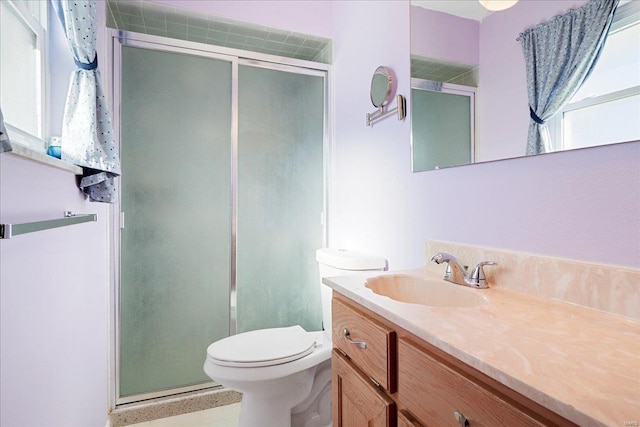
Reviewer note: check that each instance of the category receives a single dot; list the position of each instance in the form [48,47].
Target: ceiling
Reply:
[469,9]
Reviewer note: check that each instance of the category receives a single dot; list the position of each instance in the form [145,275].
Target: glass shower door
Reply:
[442,127]
[280,197]
[175,260]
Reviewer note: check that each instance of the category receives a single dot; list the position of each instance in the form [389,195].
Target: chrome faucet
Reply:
[457,273]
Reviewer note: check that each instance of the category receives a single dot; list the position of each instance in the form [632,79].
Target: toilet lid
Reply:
[264,347]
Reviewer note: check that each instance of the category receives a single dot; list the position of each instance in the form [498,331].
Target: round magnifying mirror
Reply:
[381,87]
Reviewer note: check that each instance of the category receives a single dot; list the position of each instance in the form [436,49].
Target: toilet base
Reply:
[306,404]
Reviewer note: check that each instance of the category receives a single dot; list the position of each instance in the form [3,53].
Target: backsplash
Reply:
[602,287]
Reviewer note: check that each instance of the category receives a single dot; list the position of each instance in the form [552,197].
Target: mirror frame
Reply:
[388,77]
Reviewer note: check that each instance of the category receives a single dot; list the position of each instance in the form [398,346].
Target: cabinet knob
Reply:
[359,344]
[461,419]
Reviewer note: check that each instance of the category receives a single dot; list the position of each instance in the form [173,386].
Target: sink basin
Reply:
[425,291]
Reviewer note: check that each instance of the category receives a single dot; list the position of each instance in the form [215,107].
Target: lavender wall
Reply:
[444,36]
[376,202]
[53,288]
[54,299]
[582,205]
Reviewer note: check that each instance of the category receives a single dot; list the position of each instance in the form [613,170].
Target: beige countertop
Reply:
[581,363]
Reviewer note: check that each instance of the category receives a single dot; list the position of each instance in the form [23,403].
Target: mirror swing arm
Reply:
[380,113]
[383,85]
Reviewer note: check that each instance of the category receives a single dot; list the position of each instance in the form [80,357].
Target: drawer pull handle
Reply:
[461,419]
[347,336]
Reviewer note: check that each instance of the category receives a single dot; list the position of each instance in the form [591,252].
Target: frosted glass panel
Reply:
[280,196]
[441,129]
[175,247]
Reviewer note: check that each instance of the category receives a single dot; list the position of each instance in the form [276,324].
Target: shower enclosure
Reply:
[442,125]
[222,204]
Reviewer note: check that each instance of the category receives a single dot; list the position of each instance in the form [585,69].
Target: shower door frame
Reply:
[451,89]
[116,40]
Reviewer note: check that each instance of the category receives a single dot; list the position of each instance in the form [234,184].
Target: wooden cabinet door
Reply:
[356,401]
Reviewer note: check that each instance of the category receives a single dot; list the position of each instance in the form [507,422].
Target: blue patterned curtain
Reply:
[87,133]
[559,56]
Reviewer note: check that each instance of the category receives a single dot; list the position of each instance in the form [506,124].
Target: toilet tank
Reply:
[339,262]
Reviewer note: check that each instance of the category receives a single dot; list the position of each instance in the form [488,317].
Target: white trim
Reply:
[602,99]
[19,137]
[37,156]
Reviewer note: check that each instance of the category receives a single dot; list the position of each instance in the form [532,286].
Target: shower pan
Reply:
[222,204]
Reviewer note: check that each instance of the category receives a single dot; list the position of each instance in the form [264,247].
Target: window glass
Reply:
[618,66]
[604,123]
[19,71]
[606,107]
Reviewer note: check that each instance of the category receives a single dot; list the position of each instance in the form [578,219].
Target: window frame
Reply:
[626,16]
[38,26]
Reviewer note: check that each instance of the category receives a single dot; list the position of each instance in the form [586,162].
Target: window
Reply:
[22,70]
[606,108]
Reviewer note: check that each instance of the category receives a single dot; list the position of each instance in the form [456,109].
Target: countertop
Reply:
[581,363]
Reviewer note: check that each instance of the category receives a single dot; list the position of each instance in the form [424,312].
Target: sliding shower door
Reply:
[280,197]
[442,125]
[175,127]
[222,201]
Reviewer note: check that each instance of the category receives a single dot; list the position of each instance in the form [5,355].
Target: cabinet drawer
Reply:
[433,391]
[356,401]
[369,344]
[406,420]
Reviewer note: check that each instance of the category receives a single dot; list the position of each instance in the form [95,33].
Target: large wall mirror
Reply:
[469,99]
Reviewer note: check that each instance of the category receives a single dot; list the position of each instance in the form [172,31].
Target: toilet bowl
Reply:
[284,374]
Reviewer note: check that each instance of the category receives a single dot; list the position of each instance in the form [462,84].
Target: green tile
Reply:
[253,42]
[157,25]
[198,22]
[177,18]
[277,36]
[198,32]
[219,26]
[235,38]
[273,45]
[216,35]
[177,28]
[153,14]
[289,48]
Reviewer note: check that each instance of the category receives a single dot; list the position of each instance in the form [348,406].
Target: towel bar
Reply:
[7,231]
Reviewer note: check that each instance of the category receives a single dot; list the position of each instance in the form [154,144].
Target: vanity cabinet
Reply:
[357,402]
[384,372]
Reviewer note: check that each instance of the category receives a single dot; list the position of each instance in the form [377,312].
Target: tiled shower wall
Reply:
[146,17]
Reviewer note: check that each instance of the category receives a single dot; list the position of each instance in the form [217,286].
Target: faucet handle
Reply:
[477,275]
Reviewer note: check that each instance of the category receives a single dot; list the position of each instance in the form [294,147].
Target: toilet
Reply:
[284,374]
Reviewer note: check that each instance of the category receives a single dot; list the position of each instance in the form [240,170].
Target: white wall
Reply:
[53,297]
[376,202]
[53,289]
